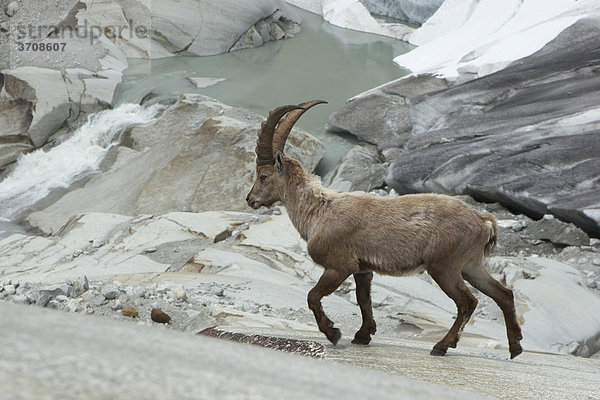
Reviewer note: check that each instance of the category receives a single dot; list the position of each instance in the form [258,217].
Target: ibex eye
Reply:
[263,178]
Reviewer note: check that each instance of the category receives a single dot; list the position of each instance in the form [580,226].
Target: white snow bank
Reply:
[352,14]
[483,36]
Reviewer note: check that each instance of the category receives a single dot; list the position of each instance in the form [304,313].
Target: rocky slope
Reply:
[234,269]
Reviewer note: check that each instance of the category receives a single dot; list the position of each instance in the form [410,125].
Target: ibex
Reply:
[358,234]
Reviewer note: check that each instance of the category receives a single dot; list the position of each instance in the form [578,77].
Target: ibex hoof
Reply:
[361,340]
[334,335]
[437,352]
[515,352]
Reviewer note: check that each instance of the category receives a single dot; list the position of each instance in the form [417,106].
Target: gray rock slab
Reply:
[526,136]
[123,361]
[382,116]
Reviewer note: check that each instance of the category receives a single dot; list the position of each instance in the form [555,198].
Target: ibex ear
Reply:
[279,161]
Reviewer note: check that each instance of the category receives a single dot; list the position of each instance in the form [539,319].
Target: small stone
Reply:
[10,289]
[150,250]
[596,261]
[94,298]
[20,299]
[97,243]
[43,300]
[130,312]
[159,316]
[116,304]
[222,236]
[85,282]
[110,292]
[54,304]
[61,298]
[180,294]
[77,289]
[75,305]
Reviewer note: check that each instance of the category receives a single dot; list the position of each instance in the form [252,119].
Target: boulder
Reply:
[15,118]
[46,90]
[411,11]
[362,168]
[198,156]
[526,136]
[381,116]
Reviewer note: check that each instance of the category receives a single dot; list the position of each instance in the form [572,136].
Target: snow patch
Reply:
[483,36]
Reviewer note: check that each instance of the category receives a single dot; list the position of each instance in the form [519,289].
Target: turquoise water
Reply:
[321,62]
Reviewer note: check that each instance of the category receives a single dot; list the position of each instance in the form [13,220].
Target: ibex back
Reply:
[358,234]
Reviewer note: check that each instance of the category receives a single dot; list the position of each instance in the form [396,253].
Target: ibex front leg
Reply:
[329,281]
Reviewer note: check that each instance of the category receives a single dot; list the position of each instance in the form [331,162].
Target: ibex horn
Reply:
[264,143]
[285,126]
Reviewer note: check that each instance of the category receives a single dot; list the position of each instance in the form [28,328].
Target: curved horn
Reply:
[264,143]
[285,126]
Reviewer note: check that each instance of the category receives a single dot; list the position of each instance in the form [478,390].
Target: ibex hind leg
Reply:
[363,298]
[476,274]
[453,285]
[329,281]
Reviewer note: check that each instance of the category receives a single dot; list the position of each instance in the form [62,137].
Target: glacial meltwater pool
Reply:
[321,62]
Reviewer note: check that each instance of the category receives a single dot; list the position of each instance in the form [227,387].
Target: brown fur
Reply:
[358,234]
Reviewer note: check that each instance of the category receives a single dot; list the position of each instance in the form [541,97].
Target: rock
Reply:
[10,289]
[558,232]
[43,300]
[20,299]
[77,289]
[381,116]
[130,312]
[15,118]
[46,90]
[205,82]
[11,9]
[94,298]
[159,316]
[97,243]
[110,292]
[360,169]
[352,14]
[190,27]
[411,11]
[180,294]
[178,163]
[223,235]
[525,136]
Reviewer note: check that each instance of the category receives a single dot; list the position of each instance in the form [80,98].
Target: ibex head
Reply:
[273,133]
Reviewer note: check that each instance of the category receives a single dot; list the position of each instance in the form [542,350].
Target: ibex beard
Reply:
[359,234]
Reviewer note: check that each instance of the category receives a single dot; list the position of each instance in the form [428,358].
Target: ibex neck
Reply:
[306,201]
